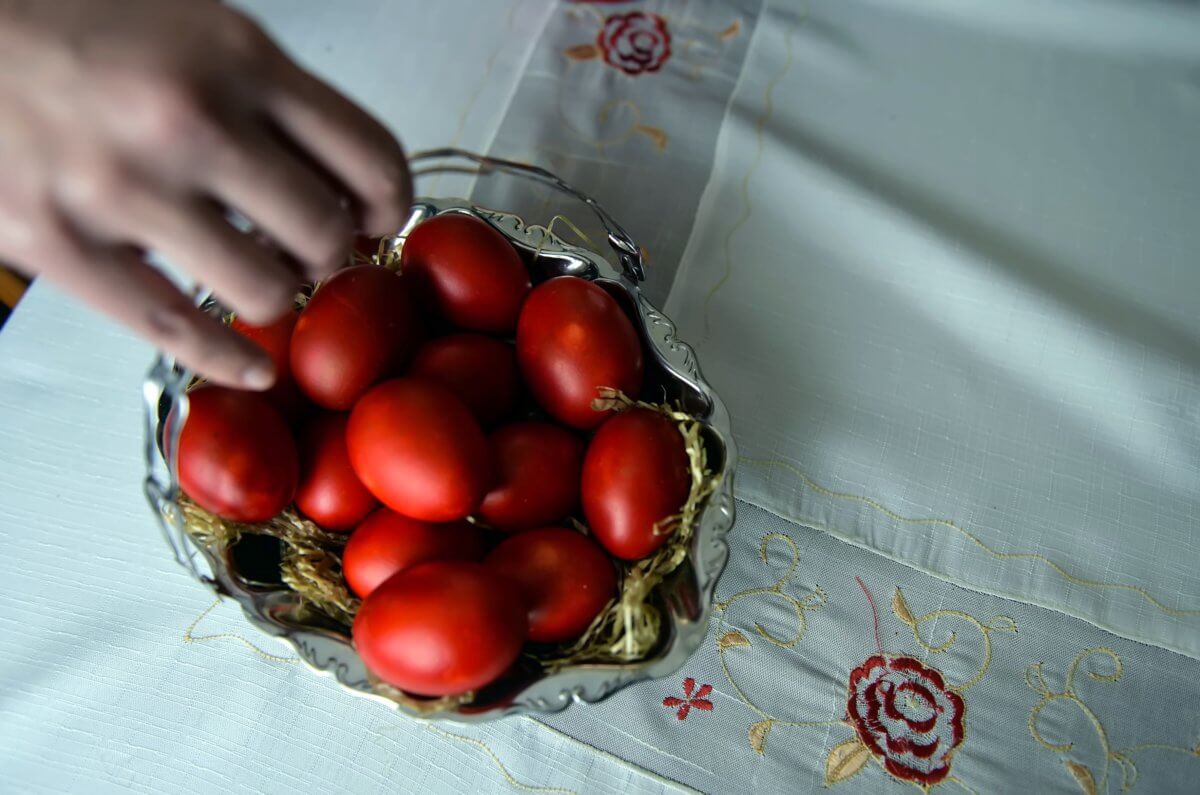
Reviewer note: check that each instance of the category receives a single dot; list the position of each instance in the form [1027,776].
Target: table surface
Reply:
[938,259]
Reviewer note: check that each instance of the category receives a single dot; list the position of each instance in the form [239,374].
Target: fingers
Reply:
[349,143]
[195,236]
[115,204]
[120,284]
[245,275]
[284,197]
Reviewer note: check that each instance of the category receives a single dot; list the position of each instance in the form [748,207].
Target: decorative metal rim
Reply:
[687,596]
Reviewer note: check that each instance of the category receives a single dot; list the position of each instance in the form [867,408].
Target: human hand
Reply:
[134,125]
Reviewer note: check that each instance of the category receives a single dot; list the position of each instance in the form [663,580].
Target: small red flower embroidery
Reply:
[905,715]
[635,42]
[690,700]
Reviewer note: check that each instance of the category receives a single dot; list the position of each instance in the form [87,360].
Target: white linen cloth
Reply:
[947,263]
[879,333]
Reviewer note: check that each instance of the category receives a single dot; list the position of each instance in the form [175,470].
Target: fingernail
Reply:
[258,376]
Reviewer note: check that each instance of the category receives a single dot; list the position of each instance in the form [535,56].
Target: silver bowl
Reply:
[672,373]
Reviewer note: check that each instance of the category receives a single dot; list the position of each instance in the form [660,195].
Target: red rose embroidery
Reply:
[905,715]
[635,42]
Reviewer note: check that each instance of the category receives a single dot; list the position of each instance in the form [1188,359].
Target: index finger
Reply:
[119,283]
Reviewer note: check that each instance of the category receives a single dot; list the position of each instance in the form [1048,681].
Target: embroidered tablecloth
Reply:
[937,258]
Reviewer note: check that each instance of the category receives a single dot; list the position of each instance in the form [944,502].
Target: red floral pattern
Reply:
[691,700]
[905,715]
[635,42]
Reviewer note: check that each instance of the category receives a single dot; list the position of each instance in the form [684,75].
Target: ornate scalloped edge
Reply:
[664,335]
[518,226]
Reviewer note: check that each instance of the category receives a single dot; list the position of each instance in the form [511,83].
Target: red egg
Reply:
[236,457]
[329,492]
[467,271]
[276,339]
[573,339]
[481,371]
[388,543]
[357,329]
[635,474]
[565,577]
[419,450]
[537,468]
[441,628]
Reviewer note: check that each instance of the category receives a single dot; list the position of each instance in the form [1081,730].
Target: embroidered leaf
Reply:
[815,600]
[658,136]
[1096,676]
[732,638]
[1035,679]
[734,29]
[758,735]
[1129,771]
[582,52]
[1003,624]
[900,608]
[1083,776]
[844,760]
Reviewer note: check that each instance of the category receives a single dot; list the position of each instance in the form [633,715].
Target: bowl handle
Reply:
[628,253]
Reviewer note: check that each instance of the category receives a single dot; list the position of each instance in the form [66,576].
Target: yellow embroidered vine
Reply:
[190,637]
[883,509]
[1122,757]
[731,639]
[500,766]
[760,126]
[998,624]
[812,601]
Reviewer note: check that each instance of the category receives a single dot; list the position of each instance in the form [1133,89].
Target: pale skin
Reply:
[129,126]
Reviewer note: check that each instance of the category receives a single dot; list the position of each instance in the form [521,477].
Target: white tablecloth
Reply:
[959,278]
[957,330]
